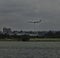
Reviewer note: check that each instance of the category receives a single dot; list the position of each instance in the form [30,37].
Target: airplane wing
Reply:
[34,21]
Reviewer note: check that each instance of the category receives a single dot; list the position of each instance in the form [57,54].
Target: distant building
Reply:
[19,33]
[7,30]
[1,32]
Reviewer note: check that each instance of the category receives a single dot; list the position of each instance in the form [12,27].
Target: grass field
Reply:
[37,40]
[45,39]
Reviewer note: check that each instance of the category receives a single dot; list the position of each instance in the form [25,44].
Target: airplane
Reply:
[36,21]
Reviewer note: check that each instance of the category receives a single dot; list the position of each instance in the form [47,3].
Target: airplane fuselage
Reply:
[35,21]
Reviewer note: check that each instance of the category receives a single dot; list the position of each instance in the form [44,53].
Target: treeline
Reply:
[49,34]
[52,34]
[14,37]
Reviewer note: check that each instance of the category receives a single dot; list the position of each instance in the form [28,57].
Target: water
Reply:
[29,49]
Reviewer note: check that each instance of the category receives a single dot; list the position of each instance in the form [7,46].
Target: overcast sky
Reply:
[16,14]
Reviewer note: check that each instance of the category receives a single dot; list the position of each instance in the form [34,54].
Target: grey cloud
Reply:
[16,13]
